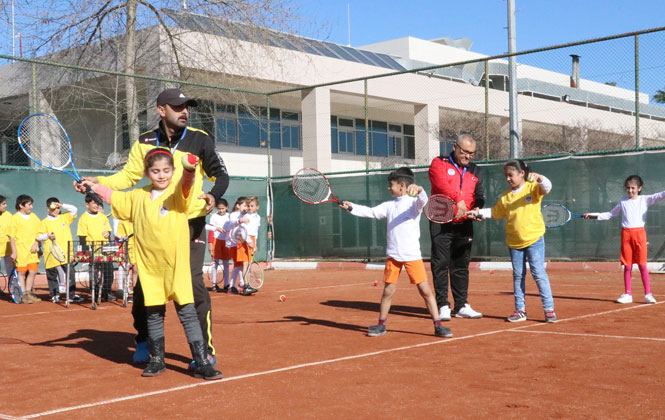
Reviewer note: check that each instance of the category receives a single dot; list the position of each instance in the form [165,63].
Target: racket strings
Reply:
[554,215]
[440,209]
[311,186]
[45,141]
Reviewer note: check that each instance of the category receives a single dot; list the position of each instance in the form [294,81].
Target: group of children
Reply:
[233,237]
[24,239]
[520,204]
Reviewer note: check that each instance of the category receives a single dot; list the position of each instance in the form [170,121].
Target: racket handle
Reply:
[93,194]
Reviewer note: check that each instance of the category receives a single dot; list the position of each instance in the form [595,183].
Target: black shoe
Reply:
[234,291]
[76,299]
[248,291]
[156,366]
[109,298]
[203,368]
[215,288]
[225,289]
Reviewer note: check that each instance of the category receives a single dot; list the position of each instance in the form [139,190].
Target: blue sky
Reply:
[540,23]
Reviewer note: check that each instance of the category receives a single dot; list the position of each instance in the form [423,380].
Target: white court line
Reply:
[5,417]
[60,311]
[323,362]
[591,335]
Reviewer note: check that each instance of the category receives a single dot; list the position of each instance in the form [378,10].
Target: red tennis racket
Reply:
[440,209]
[312,187]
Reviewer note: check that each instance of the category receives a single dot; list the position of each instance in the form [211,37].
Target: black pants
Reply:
[451,253]
[56,274]
[197,248]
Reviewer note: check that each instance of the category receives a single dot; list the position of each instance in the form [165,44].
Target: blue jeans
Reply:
[535,255]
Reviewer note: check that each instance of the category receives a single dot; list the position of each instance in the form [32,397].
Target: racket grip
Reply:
[94,195]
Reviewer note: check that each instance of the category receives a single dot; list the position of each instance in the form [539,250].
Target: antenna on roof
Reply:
[348,24]
[184,5]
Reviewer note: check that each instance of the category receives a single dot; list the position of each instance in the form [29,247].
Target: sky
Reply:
[539,23]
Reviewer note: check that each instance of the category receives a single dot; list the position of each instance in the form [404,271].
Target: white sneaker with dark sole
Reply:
[444,313]
[625,298]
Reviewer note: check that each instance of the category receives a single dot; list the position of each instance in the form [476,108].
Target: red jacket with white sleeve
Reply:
[457,182]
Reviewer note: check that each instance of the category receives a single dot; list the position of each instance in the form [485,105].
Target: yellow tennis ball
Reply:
[53,206]
[413,192]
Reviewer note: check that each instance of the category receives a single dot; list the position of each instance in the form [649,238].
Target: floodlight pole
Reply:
[512,83]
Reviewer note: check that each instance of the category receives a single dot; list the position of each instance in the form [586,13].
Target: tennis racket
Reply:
[15,287]
[56,252]
[46,143]
[240,234]
[312,187]
[556,215]
[253,276]
[440,209]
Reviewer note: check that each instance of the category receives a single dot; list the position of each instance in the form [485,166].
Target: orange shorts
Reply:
[633,246]
[220,251]
[415,270]
[29,267]
[244,251]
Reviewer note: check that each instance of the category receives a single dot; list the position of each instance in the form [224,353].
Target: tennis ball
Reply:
[413,192]
[189,161]
[376,283]
[491,271]
[53,206]
[282,298]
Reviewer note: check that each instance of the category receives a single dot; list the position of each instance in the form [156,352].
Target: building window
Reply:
[248,127]
[385,139]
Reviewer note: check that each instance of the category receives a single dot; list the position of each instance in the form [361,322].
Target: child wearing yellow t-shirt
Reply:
[56,226]
[5,246]
[525,230]
[94,226]
[24,230]
[158,213]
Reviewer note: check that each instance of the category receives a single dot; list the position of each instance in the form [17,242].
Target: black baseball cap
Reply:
[174,97]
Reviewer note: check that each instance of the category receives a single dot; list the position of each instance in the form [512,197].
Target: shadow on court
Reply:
[402,310]
[109,345]
[332,324]
[591,299]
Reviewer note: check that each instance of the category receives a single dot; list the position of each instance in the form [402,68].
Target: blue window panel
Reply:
[226,130]
[333,140]
[274,133]
[248,132]
[290,137]
[360,142]
[379,144]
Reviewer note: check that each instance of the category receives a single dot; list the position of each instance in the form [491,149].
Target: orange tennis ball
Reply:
[282,298]
[189,161]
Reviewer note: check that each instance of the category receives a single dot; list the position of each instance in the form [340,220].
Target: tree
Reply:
[659,96]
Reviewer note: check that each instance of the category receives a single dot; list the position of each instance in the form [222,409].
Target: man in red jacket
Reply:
[455,176]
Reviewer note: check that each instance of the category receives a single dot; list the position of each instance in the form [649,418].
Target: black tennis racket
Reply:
[556,215]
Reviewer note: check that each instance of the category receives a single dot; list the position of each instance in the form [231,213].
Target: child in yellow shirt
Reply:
[525,230]
[94,226]
[5,246]
[158,213]
[24,230]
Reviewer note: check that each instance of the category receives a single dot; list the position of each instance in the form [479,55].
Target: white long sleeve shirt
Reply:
[403,217]
[217,221]
[633,212]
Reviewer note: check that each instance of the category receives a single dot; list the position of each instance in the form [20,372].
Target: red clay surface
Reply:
[309,357]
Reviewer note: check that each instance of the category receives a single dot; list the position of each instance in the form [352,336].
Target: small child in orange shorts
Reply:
[403,244]
[220,253]
[24,229]
[235,230]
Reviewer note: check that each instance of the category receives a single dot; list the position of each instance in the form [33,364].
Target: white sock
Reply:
[234,275]
[213,271]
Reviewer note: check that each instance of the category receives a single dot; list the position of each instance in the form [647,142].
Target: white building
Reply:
[324,127]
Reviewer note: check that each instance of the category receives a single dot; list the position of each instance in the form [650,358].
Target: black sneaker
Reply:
[110,298]
[248,290]
[234,291]
[442,332]
[76,299]
[225,289]
[376,330]
[215,288]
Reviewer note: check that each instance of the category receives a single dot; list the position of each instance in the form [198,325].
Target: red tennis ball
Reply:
[189,161]
[491,271]
[376,283]
[282,298]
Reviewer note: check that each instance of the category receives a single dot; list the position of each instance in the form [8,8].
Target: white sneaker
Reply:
[466,312]
[649,298]
[625,298]
[444,313]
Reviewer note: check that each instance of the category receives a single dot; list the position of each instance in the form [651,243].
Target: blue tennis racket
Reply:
[556,215]
[15,287]
[44,140]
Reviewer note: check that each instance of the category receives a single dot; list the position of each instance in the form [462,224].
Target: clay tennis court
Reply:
[309,357]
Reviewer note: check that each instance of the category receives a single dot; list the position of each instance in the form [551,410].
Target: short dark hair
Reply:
[22,200]
[222,201]
[92,197]
[2,199]
[637,179]
[51,200]
[239,201]
[403,174]
[518,165]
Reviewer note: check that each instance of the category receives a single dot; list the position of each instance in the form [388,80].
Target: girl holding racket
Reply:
[403,245]
[525,228]
[159,215]
[232,226]
[58,234]
[633,209]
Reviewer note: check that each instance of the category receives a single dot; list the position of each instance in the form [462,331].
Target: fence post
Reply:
[487,111]
[366,131]
[638,139]
[35,102]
